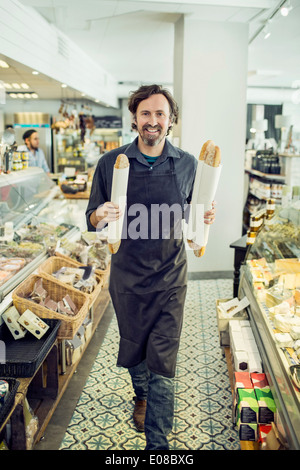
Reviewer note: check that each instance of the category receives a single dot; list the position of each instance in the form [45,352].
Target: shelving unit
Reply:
[70,151]
[290,176]
[45,389]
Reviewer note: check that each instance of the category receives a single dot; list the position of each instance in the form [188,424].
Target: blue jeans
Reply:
[159,393]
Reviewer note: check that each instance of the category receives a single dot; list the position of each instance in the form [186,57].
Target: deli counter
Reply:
[54,273]
[270,279]
[35,221]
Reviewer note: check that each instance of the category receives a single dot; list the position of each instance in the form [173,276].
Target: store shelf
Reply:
[268,176]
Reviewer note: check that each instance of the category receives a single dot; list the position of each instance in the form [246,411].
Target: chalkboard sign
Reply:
[108,122]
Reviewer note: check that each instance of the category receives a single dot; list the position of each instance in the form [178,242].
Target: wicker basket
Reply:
[56,290]
[54,263]
[99,272]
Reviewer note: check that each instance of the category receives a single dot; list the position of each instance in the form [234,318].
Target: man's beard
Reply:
[149,139]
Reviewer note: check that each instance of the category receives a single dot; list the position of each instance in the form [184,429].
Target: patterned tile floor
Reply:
[102,419]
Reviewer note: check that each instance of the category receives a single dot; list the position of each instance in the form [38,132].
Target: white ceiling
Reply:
[133,40]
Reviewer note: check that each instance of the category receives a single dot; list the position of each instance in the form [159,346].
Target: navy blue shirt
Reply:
[185,168]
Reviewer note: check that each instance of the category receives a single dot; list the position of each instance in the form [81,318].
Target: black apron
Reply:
[149,275]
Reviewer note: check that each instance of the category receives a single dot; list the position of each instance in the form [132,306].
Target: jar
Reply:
[25,160]
[17,161]
[250,237]
[270,207]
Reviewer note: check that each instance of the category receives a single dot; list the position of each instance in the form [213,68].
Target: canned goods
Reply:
[25,160]
[17,161]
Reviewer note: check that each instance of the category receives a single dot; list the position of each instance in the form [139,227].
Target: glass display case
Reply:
[71,151]
[27,230]
[23,194]
[271,281]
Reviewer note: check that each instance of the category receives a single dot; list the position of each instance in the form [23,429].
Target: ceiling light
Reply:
[3,64]
[20,95]
[64,85]
[35,72]
[25,86]
[13,95]
[8,86]
[34,95]
[16,86]
[286,8]
[267,35]
[27,95]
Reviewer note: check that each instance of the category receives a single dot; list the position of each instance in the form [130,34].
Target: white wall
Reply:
[210,77]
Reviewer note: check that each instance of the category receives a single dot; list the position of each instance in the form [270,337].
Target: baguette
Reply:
[120,163]
[211,155]
[113,247]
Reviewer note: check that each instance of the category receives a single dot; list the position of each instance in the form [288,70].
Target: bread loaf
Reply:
[211,155]
[119,190]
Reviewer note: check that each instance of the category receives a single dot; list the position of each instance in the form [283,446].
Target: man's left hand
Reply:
[209,216]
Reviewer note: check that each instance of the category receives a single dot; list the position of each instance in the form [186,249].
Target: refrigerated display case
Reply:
[271,281]
[24,195]
[71,151]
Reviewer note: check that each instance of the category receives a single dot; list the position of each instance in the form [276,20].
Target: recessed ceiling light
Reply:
[8,86]
[35,72]
[63,85]
[25,86]
[13,95]
[3,64]
[16,86]
[34,95]
[20,95]
[27,95]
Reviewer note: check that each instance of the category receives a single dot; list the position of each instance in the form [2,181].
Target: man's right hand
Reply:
[108,212]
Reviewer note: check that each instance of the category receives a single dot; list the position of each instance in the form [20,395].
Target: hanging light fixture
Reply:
[286,8]
[266,30]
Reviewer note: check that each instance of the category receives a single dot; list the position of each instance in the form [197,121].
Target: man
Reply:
[148,274]
[36,154]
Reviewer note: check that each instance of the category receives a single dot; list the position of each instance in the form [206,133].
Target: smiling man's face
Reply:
[153,119]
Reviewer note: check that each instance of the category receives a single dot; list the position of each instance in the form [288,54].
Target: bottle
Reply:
[250,237]
[270,206]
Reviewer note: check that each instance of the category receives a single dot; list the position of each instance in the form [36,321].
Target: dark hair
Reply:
[144,92]
[28,134]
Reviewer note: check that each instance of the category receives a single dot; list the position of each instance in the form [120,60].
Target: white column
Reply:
[210,79]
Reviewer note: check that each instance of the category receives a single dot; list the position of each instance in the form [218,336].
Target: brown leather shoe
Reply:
[139,414]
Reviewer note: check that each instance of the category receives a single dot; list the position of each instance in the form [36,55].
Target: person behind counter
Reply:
[148,278]
[36,154]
